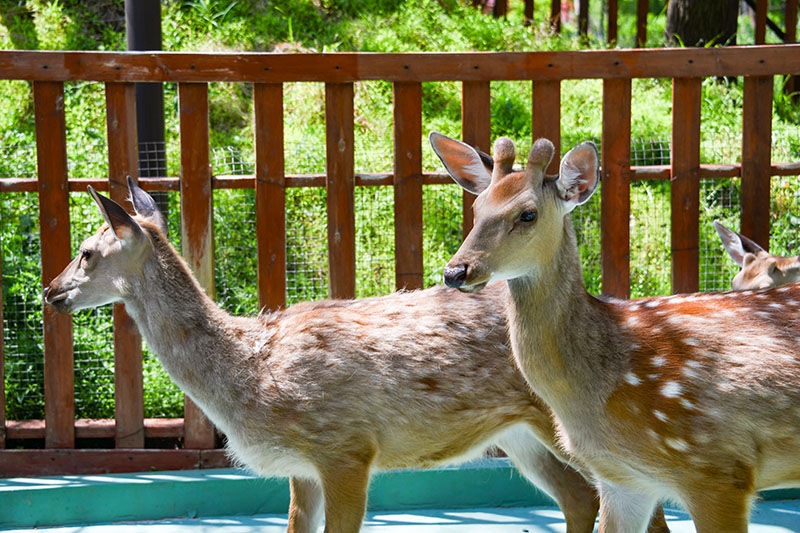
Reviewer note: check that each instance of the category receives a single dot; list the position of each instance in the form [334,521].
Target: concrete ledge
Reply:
[92,499]
[48,501]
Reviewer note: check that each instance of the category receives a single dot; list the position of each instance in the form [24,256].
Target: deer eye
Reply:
[529,215]
[86,254]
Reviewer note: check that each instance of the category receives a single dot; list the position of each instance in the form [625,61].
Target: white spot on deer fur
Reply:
[632,321]
[658,360]
[676,444]
[691,341]
[652,376]
[671,389]
[763,314]
[745,293]
[653,303]
[631,378]
[652,433]
[776,305]
[792,303]
[690,373]
[635,346]
[687,404]
[694,364]
[661,416]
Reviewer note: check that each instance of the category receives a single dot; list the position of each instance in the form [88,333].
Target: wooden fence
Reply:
[760,11]
[268,72]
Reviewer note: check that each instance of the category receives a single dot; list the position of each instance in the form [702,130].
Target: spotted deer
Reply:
[759,268]
[328,392]
[693,397]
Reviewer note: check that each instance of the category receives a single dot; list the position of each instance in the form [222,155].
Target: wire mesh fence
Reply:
[307,250]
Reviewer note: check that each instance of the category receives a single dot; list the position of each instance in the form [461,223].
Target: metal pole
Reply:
[143,24]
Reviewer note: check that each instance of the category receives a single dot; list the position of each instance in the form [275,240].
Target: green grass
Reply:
[344,25]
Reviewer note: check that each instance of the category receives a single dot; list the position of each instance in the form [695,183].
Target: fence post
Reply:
[51,158]
[476,129]
[270,195]
[793,83]
[555,15]
[685,184]
[613,9]
[123,162]
[340,189]
[407,108]
[583,19]
[756,148]
[615,211]
[762,6]
[197,230]
[546,116]
[641,23]
[528,20]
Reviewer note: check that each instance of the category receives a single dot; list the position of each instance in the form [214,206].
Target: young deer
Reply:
[759,268]
[694,398]
[327,392]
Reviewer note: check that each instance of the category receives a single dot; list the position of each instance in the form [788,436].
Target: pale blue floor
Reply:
[767,517]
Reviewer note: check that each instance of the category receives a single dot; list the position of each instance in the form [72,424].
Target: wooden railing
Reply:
[268,72]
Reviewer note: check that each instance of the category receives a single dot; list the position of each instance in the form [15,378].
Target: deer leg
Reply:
[305,506]
[721,509]
[345,489]
[624,510]
[573,494]
[658,522]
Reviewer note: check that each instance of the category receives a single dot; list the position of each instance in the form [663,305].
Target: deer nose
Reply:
[44,293]
[455,276]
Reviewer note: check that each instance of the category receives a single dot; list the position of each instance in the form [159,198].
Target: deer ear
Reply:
[464,164]
[579,175]
[737,245]
[124,227]
[145,206]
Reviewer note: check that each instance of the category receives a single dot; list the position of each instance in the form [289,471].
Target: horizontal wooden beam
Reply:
[19,463]
[429,66]
[247,181]
[101,428]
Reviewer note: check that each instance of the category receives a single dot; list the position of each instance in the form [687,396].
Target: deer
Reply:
[693,398]
[328,392]
[759,268]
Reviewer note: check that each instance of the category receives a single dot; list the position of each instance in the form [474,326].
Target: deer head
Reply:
[519,215]
[759,268]
[107,259]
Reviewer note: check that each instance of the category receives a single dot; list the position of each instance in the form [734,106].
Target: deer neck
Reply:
[556,328]
[190,334]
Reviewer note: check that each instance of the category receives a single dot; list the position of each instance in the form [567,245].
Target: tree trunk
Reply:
[702,22]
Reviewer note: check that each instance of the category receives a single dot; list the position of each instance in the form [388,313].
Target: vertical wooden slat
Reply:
[340,187]
[762,6]
[270,195]
[641,23]
[408,184]
[756,146]
[615,209]
[475,131]
[51,158]
[685,184]
[555,15]
[546,116]
[123,162]
[197,232]
[613,10]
